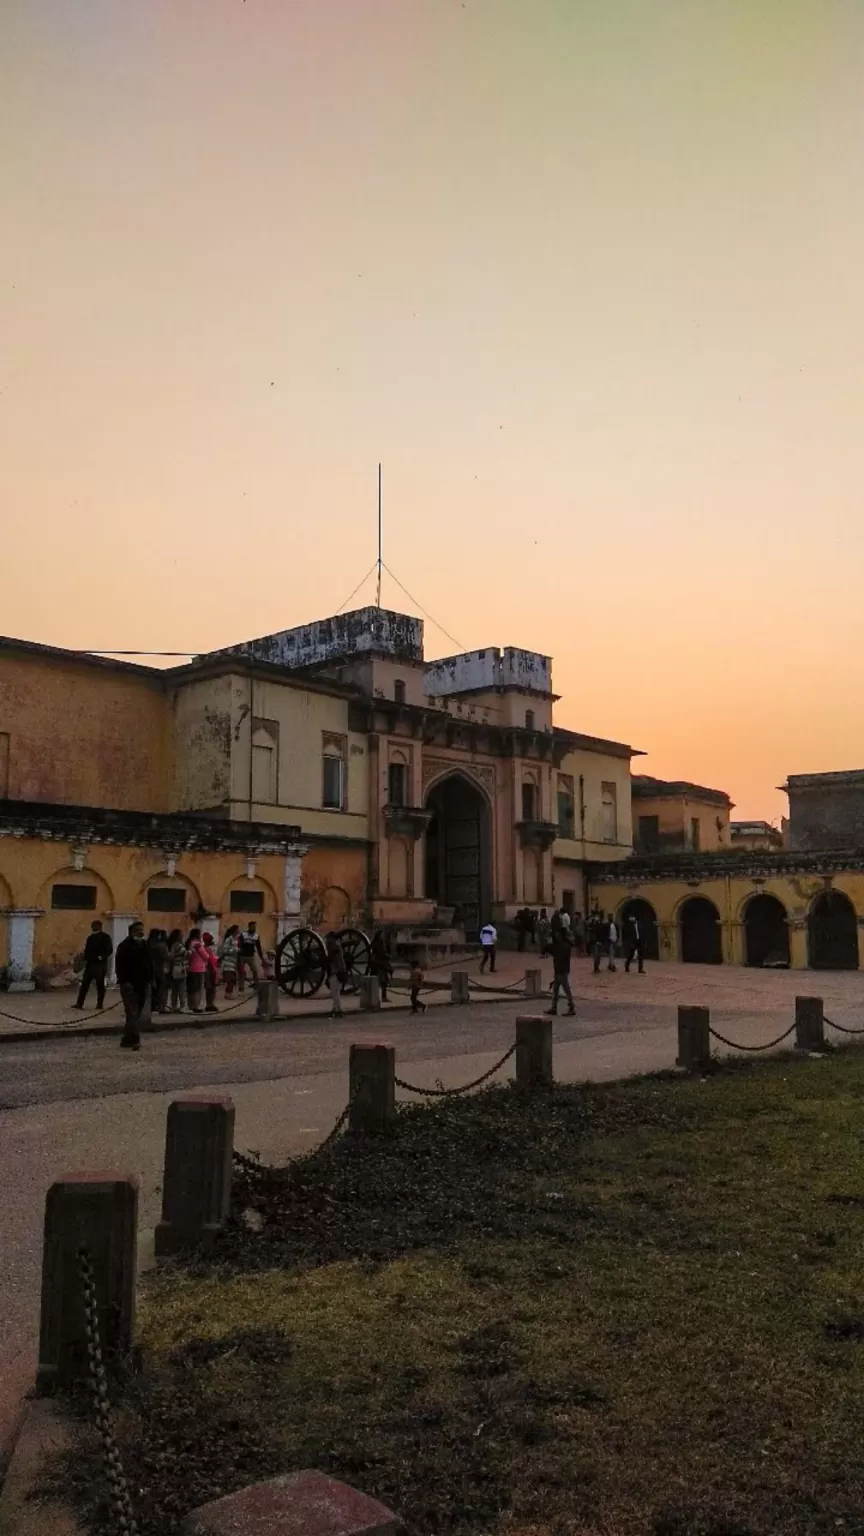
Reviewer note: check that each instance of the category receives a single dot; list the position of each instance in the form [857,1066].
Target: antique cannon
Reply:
[301,960]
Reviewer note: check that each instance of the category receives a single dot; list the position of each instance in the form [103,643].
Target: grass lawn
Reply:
[625,1310]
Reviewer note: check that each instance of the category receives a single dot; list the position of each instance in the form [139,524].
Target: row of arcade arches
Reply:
[832,931]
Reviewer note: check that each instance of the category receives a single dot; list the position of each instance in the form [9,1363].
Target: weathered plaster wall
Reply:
[594,769]
[489,668]
[675,814]
[829,815]
[84,735]
[202,745]
[347,634]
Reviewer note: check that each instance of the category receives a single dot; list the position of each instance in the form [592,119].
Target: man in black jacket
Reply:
[97,952]
[135,975]
[562,949]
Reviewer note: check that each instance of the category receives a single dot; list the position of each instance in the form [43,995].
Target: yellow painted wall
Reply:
[675,814]
[85,735]
[202,744]
[302,718]
[333,881]
[596,768]
[730,895]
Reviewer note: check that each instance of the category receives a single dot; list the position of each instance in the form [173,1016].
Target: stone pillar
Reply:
[118,929]
[196,1183]
[534,1051]
[22,934]
[694,1040]
[459,987]
[369,988]
[302,1503]
[97,1212]
[798,956]
[809,1024]
[268,1000]
[534,983]
[372,1087]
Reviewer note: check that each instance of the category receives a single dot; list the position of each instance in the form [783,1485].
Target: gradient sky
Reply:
[587,277]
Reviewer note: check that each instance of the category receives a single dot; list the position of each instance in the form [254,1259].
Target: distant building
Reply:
[826,810]
[670,815]
[754,834]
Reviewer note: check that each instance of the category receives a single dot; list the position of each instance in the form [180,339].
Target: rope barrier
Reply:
[447,1093]
[736,1046]
[843,1028]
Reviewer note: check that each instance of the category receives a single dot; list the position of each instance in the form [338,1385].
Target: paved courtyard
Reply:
[70,1102]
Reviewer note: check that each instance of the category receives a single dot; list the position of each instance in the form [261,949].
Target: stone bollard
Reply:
[534,1051]
[809,1024]
[196,1183]
[694,1039]
[300,1504]
[369,988]
[268,1000]
[534,983]
[372,1087]
[99,1213]
[459,987]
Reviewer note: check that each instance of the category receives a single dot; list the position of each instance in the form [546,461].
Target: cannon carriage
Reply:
[301,960]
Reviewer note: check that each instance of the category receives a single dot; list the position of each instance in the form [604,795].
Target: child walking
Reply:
[416,982]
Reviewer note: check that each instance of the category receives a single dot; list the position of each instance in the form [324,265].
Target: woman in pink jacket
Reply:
[198,964]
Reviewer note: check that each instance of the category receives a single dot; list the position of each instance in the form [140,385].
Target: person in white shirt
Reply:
[488,940]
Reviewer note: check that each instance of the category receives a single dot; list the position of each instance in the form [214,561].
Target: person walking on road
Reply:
[415,982]
[603,943]
[488,942]
[97,952]
[562,949]
[135,975]
[379,962]
[633,944]
[250,955]
[336,973]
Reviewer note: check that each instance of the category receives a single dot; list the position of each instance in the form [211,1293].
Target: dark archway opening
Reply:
[766,932]
[646,917]
[459,852]
[832,933]
[701,943]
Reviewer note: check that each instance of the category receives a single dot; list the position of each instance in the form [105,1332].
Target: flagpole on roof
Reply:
[380,550]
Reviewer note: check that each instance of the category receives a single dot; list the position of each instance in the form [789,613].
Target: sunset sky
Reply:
[586,277]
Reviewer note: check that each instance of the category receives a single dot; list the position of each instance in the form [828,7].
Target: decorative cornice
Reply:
[753,864]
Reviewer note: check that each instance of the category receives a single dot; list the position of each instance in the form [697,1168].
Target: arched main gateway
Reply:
[832,933]
[459,851]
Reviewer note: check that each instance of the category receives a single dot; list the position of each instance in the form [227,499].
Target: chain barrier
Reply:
[118,1488]
[56,1023]
[843,1028]
[504,986]
[257,1169]
[769,1045]
[448,1093]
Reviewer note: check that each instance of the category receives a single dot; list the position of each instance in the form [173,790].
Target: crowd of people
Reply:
[169,972]
[596,935]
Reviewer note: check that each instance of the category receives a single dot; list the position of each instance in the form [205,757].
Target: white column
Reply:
[118,929]
[289,917]
[210,924]
[22,932]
